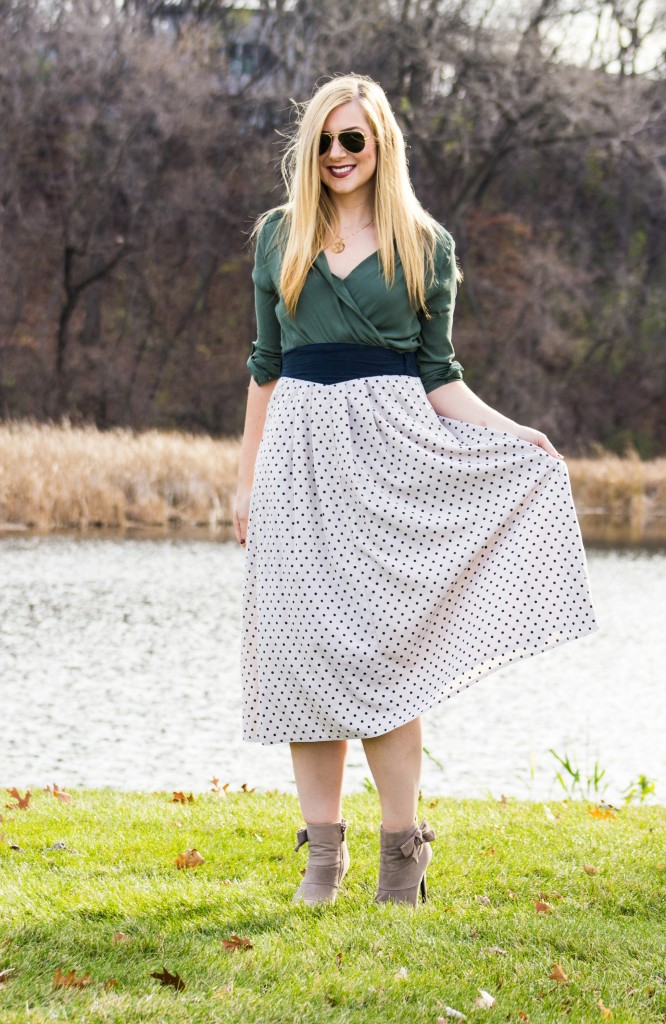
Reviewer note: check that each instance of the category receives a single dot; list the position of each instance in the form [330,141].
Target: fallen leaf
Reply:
[557,974]
[110,983]
[605,1012]
[544,908]
[180,798]
[190,859]
[4,974]
[235,942]
[450,1012]
[61,794]
[483,899]
[21,801]
[484,1001]
[601,812]
[119,937]
[168,979]
[589,870]
[70,980]
[338,958]
[244,788]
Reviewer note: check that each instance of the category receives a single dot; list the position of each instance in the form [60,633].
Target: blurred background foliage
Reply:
[139,141]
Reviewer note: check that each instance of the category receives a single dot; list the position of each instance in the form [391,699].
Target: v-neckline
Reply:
[337,277]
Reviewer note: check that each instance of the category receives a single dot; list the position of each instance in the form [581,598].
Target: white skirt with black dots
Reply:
[393,558]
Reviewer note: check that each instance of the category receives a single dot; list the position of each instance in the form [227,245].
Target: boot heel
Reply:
[424,890]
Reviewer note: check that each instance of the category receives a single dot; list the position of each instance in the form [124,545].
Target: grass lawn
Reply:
[112,907]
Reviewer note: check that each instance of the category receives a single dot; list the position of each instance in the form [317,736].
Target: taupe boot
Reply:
[403,859]
[328,862]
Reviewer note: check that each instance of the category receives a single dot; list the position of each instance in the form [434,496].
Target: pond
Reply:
[119,667]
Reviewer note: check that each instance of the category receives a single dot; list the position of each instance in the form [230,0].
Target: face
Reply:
[359,168]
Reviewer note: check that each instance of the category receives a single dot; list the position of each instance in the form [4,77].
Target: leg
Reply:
[395,763]
[319,769]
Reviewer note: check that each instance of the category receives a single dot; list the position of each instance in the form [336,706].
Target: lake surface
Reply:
[119,667]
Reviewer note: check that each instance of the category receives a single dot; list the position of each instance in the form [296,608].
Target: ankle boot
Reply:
[403,859]
[328,862]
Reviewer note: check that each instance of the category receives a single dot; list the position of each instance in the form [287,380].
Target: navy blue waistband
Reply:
[330,362]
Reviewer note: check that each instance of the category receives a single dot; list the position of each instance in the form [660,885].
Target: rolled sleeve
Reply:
[435,355]
[265,362]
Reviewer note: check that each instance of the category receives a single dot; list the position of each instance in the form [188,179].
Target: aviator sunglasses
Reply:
[353,140]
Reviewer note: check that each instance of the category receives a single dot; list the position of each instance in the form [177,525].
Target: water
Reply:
[119,667]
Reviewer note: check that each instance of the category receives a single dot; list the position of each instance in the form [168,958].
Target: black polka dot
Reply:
[393,558]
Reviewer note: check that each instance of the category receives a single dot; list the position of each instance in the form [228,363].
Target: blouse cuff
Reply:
[263,367]
[442,375]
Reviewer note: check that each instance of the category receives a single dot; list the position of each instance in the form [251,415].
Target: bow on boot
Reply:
[302,836]
[412,846]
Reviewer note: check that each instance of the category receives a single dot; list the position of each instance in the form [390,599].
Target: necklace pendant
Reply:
[338,246]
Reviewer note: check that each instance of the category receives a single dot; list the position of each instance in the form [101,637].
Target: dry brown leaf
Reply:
[601,812]
[244,788]
[61,794]
[605,1012]
[70,980]
[544,908]
[523,1016]
[190,859]
[222,790]
[338,958]
[110,983]
[180,798]
[168,979]
[21,801]
[119,937]
[589,870]
[485,900]
[557,974]
[235,942]
[4,974]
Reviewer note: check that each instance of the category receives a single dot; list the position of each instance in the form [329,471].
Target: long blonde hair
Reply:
[309,214]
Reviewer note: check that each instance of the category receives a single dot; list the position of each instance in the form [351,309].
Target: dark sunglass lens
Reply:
[325,141]
[353,142]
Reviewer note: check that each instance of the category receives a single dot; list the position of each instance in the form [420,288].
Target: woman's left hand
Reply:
[539,438]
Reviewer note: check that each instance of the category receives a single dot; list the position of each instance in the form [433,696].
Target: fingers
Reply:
[544,443]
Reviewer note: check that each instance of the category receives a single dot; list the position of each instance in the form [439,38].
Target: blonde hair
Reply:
[310,216]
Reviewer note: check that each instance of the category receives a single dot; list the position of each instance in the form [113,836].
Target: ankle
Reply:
[392,827]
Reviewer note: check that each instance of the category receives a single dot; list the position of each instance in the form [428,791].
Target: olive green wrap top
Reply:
[360,308]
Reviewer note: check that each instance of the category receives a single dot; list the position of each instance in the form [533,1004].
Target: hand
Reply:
[538,438]
[241,508]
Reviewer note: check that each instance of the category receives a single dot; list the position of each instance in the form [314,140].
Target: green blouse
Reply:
[359,308]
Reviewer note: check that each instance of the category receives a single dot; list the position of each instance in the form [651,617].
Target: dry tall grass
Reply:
[54,476]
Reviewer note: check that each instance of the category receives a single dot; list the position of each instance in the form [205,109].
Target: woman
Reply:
[403,539]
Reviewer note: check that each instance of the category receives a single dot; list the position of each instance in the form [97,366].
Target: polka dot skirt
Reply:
[393,558]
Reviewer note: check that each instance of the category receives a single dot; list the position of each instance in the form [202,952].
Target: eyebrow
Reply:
[351,128]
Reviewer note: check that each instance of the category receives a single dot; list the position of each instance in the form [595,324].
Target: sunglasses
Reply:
[353,140]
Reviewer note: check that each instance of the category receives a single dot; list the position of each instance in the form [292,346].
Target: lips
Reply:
[341,170]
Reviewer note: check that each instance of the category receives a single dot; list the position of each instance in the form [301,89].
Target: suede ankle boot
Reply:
[328,862]
[403,859]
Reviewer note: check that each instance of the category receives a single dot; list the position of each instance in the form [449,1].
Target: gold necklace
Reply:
[339,245]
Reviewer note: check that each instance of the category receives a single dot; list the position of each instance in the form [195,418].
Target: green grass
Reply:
[341,962]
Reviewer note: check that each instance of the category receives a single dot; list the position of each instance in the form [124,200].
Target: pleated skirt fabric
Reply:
[394,557]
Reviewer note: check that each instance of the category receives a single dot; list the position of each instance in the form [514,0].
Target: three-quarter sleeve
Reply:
[265,362]
[435,355]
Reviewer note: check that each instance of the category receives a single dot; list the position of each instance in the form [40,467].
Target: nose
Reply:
[336,151]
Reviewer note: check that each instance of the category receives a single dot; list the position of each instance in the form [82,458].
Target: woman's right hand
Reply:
[241,508]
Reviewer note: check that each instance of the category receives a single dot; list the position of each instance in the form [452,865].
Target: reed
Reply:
[55,476]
